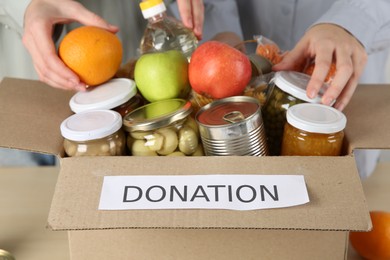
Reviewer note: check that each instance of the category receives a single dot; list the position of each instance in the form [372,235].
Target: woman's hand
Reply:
[327,43]
[192,15]
[39,20]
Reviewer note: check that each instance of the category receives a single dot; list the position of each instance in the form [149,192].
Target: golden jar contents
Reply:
[313,130]
[94,133]
[163,128]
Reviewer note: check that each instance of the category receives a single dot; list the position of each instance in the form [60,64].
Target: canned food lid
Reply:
[228,111]
[151,8]
[316,118]
[108,95]
[157,114]
[295,83]
[91,125]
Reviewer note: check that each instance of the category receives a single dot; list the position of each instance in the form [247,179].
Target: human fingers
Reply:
[192,15]
[49,67]
[358,60]
[323,60]
[75,11]
[343,74]
[293,60]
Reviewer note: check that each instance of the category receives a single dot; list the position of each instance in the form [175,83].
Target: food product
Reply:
[286,89]
[232,126]
[162,75]
[217,70]
[93,53]
[94,133]
[163,128]
[374,244]
[313,130]
[116,94]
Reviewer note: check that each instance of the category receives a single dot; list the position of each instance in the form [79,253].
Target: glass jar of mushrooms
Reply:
[163,128]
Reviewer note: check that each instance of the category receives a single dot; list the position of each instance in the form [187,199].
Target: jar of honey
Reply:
[94,133]
[119,94]
[286,89]
[313,130]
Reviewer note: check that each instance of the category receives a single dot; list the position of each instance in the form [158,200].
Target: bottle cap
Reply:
[157,114]
[295,83]
[105,96]
[316,118]
[91,125]
[151,8]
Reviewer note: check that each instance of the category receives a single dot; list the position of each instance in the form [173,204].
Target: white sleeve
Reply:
[12,13]
[367,20]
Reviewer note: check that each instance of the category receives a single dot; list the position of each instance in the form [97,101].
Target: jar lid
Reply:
[151,8]
[91,125]
[157,114]
[316,118]
[295,83]
[228,111]
[108,95]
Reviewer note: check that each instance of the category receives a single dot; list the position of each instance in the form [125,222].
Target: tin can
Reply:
[163,128]
[232,126]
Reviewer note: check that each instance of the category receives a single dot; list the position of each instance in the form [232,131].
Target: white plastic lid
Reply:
[91,125]
[108,95]
[151,8]
[316,118]
[295,83]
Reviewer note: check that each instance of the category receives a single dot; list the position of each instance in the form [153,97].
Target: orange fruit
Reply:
[93,53]
[374,244]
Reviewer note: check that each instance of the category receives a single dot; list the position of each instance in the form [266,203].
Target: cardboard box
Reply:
[30,115]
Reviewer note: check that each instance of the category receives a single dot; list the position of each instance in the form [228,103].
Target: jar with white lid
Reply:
[287,88]
[313,130]
[94,133]
[163,128]
[119,94]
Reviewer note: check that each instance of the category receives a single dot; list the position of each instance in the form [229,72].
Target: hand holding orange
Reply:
[93,53]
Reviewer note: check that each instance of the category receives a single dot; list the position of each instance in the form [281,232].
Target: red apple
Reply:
[218,70]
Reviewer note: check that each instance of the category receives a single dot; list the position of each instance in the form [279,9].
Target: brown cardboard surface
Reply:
[368,117]
[336,197]
[207,244]
[30,115]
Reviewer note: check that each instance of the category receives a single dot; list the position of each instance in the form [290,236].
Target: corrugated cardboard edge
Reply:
[368,118]
[30,115]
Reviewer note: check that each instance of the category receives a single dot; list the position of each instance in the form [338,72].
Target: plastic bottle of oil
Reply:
[164,32]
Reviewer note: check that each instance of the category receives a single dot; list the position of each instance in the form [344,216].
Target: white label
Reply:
[236,192]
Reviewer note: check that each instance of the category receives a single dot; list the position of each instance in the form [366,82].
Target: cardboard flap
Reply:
[30,115]
[368,118]
[336,196]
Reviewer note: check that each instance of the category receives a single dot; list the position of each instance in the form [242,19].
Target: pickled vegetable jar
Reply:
[118,94]
[286,89]
[313,129]
[163,128]
[94,133]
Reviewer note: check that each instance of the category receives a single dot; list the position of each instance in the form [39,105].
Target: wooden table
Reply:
[26,193]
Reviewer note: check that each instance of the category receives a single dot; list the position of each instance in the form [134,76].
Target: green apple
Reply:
[162,75]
